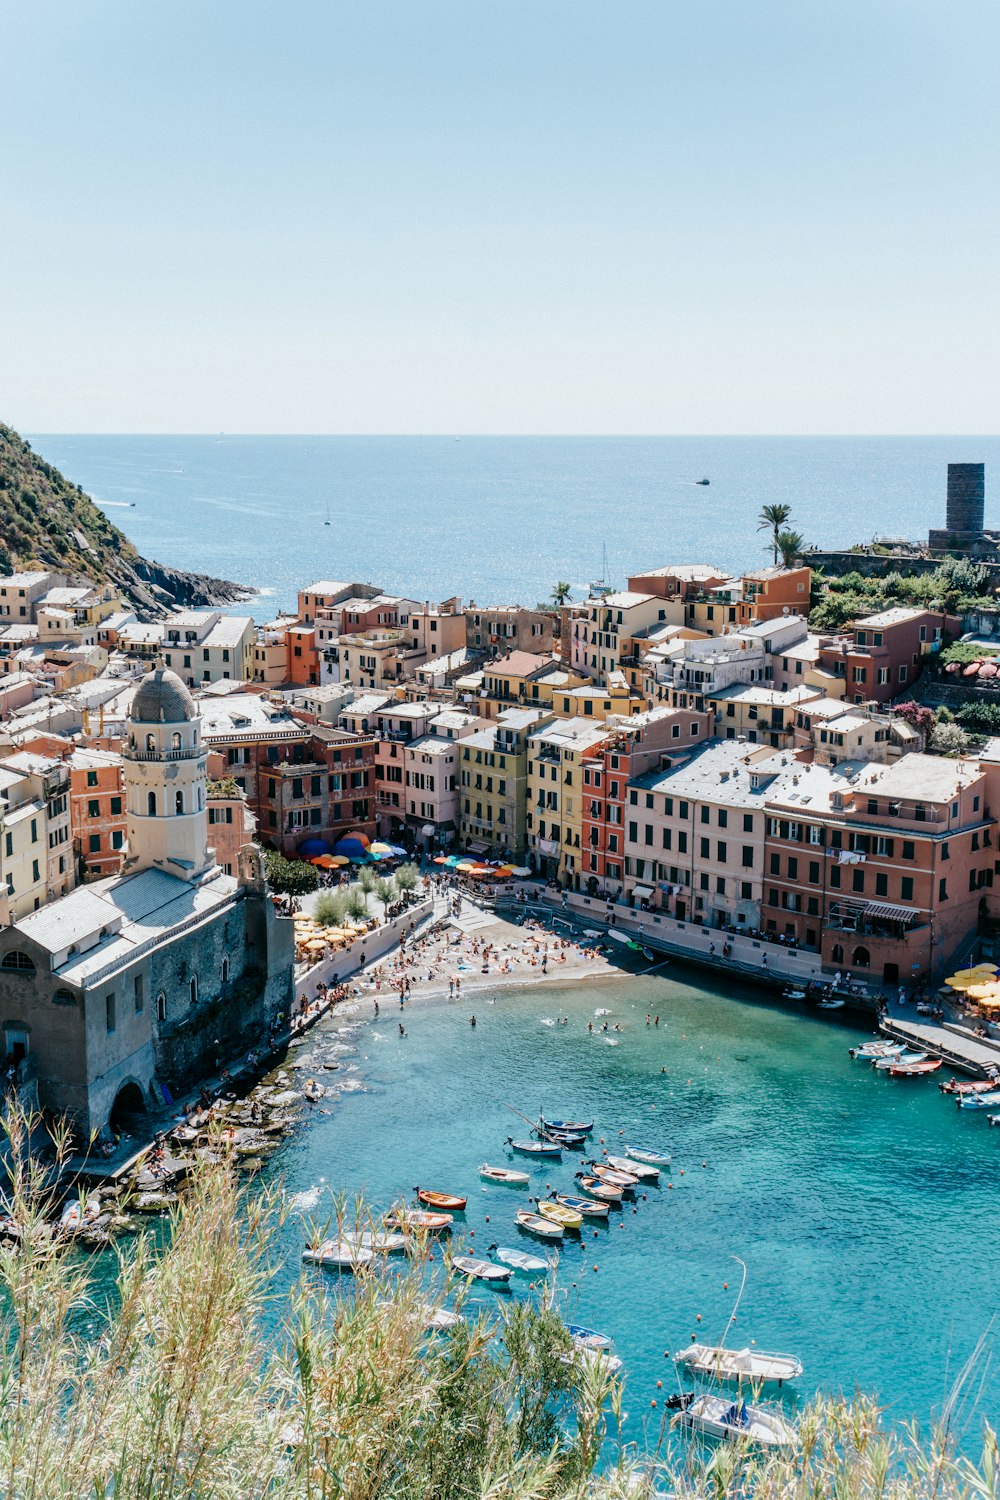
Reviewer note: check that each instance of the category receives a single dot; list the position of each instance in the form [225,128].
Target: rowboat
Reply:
[419,1218]
[870,1050]
[538,1224]
[589,1345]
[716,1417]
[979,1101]
[967,1085]
[480,1270]
[610,1192]
[716,1362]
[831,1002]
[586,1206]
[884,1063]
[505,1175]
[588,1338]
[338,1255]
[625,1180]
[583,1127]
[438,1319]
[379,1243]
[559,1213]
[535,1148]
[447,1201]
[651,1158]
[520,1260]
[915,1070]
[635,1168]
[568,1139]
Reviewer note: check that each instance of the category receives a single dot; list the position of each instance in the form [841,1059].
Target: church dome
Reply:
[162,698]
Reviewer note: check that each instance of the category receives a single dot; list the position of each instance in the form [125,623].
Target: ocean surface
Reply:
[865,1208]
[498,519]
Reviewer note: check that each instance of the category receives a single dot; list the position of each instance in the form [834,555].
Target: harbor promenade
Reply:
[954,1044]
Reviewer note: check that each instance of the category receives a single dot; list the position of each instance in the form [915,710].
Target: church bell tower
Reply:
[164,768]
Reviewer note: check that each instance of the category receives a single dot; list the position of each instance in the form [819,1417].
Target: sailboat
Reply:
[327,521]
[601,585]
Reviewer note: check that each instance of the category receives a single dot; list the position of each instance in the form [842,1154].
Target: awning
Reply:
[892,913]
[477,848]
[642,892]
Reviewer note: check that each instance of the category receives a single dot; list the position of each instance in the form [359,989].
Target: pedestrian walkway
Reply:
[968,1053]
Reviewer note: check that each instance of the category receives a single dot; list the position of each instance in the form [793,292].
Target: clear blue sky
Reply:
[559,216]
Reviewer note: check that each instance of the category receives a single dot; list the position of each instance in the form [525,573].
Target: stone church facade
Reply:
[123,993]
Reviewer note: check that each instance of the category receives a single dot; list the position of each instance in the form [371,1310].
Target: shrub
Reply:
[407,877]
[386,892]
[356,905]
[289,877]
[949,739]
[984,717]
[965,653]
[331,908]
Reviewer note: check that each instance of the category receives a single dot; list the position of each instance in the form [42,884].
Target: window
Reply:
[151,804]
[17,962]
[813,872]
[161,1006]
[140,994]
[109,1011]
[94,843]
[705,849]
[91,778]
[116,807]
[881,885]
[64,997]
[117,839]
[857,880]
[747,856]
[775,864]
[748,822]
[909,850]
[906,888]
[942,890]
[944,852]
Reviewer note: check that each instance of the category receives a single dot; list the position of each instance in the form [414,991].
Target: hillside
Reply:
[48,522]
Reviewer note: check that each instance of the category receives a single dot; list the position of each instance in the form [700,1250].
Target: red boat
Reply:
[445,1201]
[967,1085]
[915,1069]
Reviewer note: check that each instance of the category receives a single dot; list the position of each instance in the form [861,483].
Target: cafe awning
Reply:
[889,913]
[642,892]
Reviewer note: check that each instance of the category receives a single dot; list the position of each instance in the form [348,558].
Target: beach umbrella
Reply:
[981,991]
[309,847]
[398,850]
[441,859]
[521,870]
[379,847]
[350,847]
[466,865]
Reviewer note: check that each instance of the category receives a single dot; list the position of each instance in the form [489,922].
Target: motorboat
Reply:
[968,1085]
[420,1219]
[504,1175]
[439,1319]
[608,1192]
[574,1127]
[635,1168]
[449,1202]
[588,1338]
[539,1225]
[650,1158]
[717,1417]
[588,1207]
[590,1345]
[716,1362]
[917,1069]
[535,1148]
[567,1139]
[520,1260]
[480,1270]
[552,1209]
[831,1002]
[979,1101]
[870,1050]
[380,1242]
[894,1059]
[791,993]
[338,1255]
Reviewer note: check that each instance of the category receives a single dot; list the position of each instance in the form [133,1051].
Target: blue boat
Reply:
[575,1127]
[588,1338]
[535,1148]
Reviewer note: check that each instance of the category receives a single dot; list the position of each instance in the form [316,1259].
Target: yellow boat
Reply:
[560,1214]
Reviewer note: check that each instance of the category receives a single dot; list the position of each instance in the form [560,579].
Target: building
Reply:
[965,516]
[97,810]
[494,784]
[556,792]
[600,628]
[496,630]
[524,679]
[122,993]
[208,646]
[882,657]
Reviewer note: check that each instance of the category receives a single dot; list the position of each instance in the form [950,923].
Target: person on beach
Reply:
[402,1029]
[472,1021]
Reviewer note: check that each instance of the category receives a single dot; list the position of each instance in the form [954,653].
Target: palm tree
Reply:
[772,518]
[561,593]
[790,544]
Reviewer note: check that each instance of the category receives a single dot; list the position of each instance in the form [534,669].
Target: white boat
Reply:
[832,1002]
[589,1208]
[716,1362]
[383,1242]
[651,1158]
[717,1417]
[480,1270]
[870,1050]
[635,1168]
[341,1255]
[520,1260]
[978,1101]
[438,1319]
[505,1175]
[883,1063]
[617,1178]
[538,1224]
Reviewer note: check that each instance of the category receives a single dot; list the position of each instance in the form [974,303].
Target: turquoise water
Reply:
[500,519]
[863,1207]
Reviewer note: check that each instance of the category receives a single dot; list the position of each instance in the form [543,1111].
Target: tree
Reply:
[356,905]
[385,890]
[407,877]
[367,880]
[790,544]
[331,909]
[561,593]
[772,518]
[289,877]
[949,739]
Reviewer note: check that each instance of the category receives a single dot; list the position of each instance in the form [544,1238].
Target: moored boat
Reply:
[628,1181]
[582,1127]
[869,1050]
[449,1202]
[967,1085]
[338,1255]
[651,1158]
[535,1148]
[590,1208]
[380,1242]
[421,1219]
[589,1338]
[608,1192]
[893,1060]
[538,1224]
[551,1209]
[568,1139]
[480,1270]
[505,1175]
[635,1168]
[716,1362]
[917,1069]
[520,1260]
[979,1101]
[717,1417]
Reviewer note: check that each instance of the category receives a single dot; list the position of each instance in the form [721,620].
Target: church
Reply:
[122,994]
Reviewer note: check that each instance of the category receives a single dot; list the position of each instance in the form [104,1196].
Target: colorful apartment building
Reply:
[498,630]
[97,809]
[883,655]
[556,796]
[494,784]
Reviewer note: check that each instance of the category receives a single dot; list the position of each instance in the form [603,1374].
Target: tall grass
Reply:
[203,1385]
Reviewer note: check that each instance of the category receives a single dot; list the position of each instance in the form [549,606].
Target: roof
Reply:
[926,778]
[241,713]
[886,617]
[686,572]
[760,693]
[162,698]
[626,599]
[229,631]
[517,664]
[326,586]
[764,575]
[717,771]
[23,580]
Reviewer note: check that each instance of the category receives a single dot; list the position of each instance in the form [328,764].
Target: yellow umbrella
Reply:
[981,991]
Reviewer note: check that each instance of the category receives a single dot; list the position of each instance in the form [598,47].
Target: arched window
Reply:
[17,962]
[179,802]
[151,804]
[151,742]
[175,740]
[64,997]
[161,1006]
[861,958]
[201,799]
[837,954]
[225,971]
[194,989]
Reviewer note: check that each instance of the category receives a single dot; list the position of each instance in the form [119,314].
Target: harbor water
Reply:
[864,1207]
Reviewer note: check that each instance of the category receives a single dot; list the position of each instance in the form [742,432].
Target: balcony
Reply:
[132,753]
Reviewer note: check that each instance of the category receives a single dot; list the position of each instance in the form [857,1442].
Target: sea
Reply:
[863,1207]
[499,520]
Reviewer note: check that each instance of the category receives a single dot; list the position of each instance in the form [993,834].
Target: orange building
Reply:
[97,812]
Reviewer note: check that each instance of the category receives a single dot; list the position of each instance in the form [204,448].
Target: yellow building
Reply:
[493,785]
[554,817]
[524,680]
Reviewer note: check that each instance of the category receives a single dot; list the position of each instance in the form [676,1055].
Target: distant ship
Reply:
[703,481]
[327,521]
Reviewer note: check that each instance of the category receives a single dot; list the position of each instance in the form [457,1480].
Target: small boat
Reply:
[559,1213]
[917,1069]
[587,1338]
[535,1148]
[703,481]
[568,1140]
[715,1416]
[979,1101]
[648,953]
[384,1242]
[716,1362]
[480,1270]
[870,1050]
[588,1207]
[625,1180]
[884,1063]
[575,1127]
[538,1224]
[313,1091]
[790,993]
[340,1255]
[520,1260]
[635,1168]
[651,1158]
[967,1085]
[608,1192]
[831,1002]
[420,1219]
[449,1202]
[505,1175]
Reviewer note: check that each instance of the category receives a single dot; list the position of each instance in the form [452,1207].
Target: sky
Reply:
[500,216]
